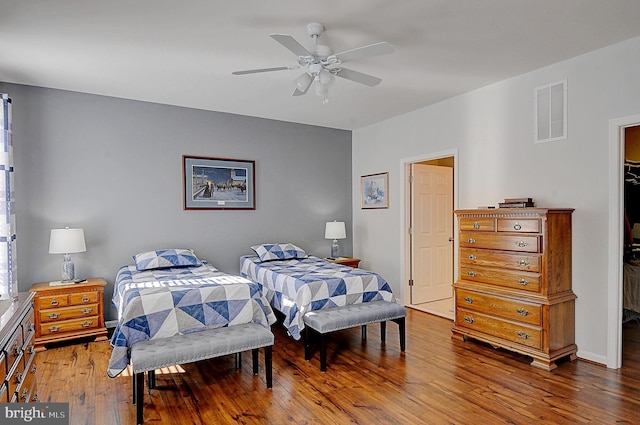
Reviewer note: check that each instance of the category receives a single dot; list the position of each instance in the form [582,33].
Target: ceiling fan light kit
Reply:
[321,65]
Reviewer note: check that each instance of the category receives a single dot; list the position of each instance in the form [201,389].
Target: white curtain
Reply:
[8,274]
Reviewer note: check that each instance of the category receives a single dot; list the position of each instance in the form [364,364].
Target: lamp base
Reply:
[334,249]
[68,269]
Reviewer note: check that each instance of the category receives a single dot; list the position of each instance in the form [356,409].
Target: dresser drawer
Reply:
[509,309]
[509,331]
[28,381]
[475,224]
[505,278]
[4,393]
[514,261]
[83,298]
[14,349]
[519,243]
[65,313]
[73,325]
[515,225]
[53,301]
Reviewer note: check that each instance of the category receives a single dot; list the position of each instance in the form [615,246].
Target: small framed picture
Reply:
[218,183]
[374,190]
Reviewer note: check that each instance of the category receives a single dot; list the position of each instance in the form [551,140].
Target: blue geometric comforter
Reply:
[295,287]
[166,302]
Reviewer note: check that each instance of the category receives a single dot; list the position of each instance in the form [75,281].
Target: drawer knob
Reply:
[468,300]
[85,299]
[53,316]
[471,240]
[87,324]
[476,225]
[16,349]
[86,311]
[469,319]
[472,274]
[523,282]
[523,335]
[473,257]
[522,244]
[18,377]
[54,328]
[33,369]
[34,398]
[25,394]
[523,311]
[517,226]
[523,263]
[54,302]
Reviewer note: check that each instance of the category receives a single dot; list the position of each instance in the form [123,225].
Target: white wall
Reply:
[493,130]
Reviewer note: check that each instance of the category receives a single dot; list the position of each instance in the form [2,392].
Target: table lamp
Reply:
[67,241]
[335,230]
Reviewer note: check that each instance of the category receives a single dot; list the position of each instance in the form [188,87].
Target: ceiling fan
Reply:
[321,65]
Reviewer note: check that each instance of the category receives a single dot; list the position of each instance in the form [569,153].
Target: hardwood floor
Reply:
[438,380]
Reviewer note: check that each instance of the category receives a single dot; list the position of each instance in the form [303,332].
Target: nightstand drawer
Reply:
[53,301]
[65,313]
[74,325]
[83,298]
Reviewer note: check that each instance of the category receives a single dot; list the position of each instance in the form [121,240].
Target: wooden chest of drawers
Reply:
[18,368]
[514,282]
[69,312]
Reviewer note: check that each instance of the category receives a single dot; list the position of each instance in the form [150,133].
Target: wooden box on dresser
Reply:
[64,313]
[17,355]
[514,282]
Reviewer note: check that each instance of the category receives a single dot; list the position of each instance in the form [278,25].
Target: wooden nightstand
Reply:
[347,261]
[69,312]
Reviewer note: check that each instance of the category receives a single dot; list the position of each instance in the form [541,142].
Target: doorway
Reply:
[429,246]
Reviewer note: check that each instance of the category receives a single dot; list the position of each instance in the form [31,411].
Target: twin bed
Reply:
[171,292]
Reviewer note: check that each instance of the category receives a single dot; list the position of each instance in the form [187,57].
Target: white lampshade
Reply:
[66,241]
[335,230]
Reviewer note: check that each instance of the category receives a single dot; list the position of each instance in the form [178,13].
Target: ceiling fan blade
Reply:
[255,71]
[377,49]
[359,77]
[291,44]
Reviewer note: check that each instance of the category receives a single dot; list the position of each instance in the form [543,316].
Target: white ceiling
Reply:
[183,52]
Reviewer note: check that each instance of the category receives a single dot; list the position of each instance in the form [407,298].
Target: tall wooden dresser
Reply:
[514,282]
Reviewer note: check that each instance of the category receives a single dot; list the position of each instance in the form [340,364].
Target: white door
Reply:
[432,233]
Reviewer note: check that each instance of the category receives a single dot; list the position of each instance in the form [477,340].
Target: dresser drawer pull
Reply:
[471,240]
[35,397]
[523,335]
[476,225]
[523,311]
[523,263]
[472,274]
[473,257]
[468,319]
[53,316]
[54,328]
[32,349]
[24,394]
[31,327]
[87,324]
[522,244]
[468,300]
[33,369]
[517,226]
[18,377]
[16,349]
[86,311]
[54,302]
[523,282]
[85,299]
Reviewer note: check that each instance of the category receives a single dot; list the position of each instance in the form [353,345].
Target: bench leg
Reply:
[323,353]
[383,331]
[254,354]
[238,360]
[151,377]
[139,390]
[402,330]
[364,332]
[268,363]
[306,335]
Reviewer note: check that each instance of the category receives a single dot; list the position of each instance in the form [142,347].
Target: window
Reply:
[551,112]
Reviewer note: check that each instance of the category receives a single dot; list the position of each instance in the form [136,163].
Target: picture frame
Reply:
[374,191]
[218,183]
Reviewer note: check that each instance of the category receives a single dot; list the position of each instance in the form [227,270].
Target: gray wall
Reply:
[114,167]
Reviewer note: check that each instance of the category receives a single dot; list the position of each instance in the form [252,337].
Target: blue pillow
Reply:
[278,251]
[164,258]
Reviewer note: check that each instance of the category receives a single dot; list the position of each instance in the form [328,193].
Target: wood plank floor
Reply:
[438,380]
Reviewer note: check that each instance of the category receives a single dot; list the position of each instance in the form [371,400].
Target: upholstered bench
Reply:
[147,356]
[322,322]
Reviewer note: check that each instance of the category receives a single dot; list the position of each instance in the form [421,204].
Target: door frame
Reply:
[405,209]
[616,237]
